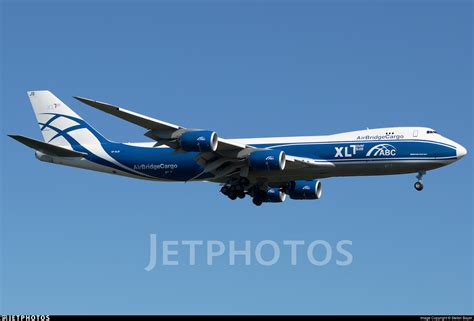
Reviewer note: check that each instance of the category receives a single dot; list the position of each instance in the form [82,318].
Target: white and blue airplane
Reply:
[266,169]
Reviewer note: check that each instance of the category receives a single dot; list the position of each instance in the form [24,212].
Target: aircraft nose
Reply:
[460,151]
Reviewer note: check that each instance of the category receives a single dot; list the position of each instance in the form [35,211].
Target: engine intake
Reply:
[267,160]
[199,141]
[305,190]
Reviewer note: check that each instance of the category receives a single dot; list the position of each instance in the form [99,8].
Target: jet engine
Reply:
[198,141]
[267,160]
[304,190]
[274,195]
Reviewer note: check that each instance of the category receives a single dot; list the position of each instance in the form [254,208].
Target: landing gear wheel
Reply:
[225,190]
[257,201]
[419,177]
[232,196]
[241,194]
[419,186]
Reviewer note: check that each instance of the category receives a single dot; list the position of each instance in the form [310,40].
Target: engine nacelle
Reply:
[267,160]
[274,195]
[305,190]
[199,141]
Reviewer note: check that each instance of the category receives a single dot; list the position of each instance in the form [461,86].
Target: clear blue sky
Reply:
[74,241]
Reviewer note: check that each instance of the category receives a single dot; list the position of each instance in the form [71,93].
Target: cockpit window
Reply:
[431,132]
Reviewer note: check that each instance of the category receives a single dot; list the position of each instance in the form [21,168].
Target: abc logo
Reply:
[382,150]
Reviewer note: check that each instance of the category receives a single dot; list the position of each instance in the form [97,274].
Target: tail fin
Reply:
[59,124]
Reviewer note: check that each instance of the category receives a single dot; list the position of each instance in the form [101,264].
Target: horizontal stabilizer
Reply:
[47,148]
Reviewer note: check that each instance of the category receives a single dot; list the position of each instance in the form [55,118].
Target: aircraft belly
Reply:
[384,168]
[366,168]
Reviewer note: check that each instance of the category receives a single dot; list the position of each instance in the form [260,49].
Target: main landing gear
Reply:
[419,177]
[235,189]
[257,201]
[258,196]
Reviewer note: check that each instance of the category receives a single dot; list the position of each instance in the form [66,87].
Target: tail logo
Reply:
[67,128]
[53,106]
[382,150]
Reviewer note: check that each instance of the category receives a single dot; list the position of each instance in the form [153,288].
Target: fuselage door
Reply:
[415,133]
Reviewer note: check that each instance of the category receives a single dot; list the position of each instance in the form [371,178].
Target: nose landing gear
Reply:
[419,186]
[419,177]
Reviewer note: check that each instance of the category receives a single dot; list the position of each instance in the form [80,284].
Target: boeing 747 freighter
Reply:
[266,169]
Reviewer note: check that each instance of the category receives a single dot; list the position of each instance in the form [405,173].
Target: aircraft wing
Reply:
[227,159]
[163,132]
[295,162]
